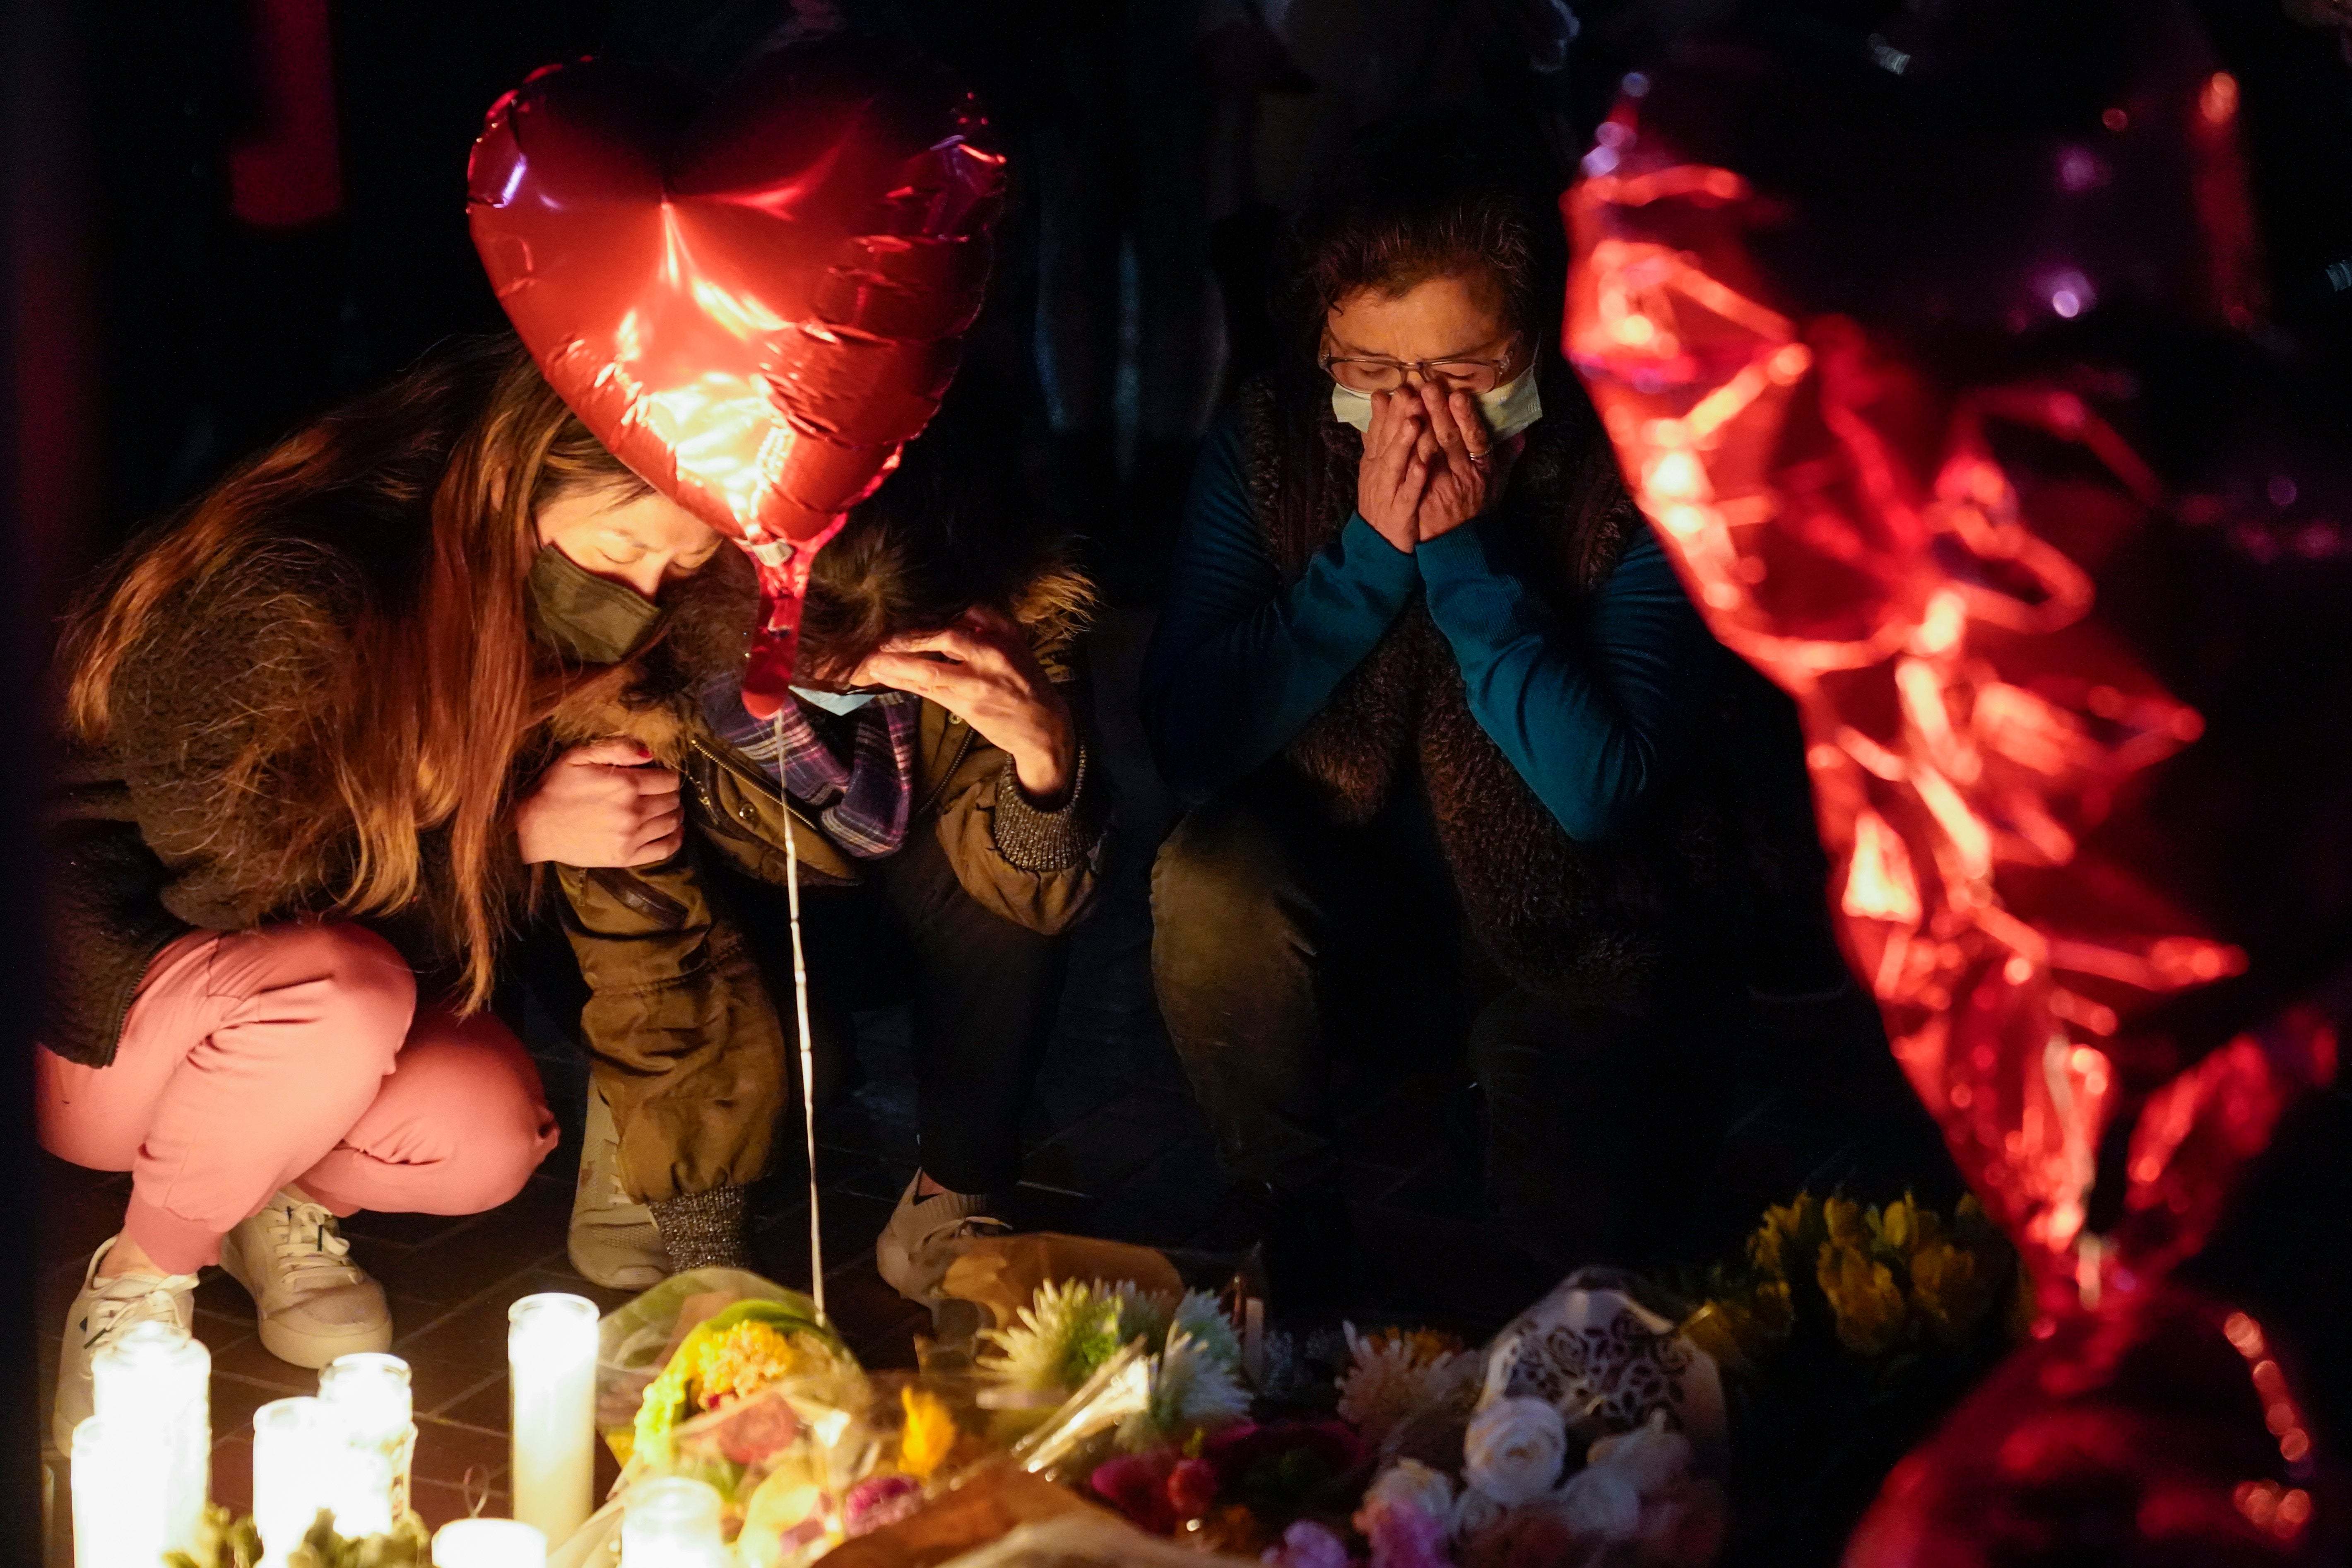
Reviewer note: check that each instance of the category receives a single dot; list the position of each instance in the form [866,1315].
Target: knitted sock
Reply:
[703,1230]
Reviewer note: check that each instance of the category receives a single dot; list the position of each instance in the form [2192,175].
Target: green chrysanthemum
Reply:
[1142,1314]
[1068,1332]
[1191,1390]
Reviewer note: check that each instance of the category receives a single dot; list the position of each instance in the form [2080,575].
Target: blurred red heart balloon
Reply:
[1858,322]
[2160,1434]
[754,302]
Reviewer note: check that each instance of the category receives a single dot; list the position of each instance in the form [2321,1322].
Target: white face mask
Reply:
[834,701]
[1507,410]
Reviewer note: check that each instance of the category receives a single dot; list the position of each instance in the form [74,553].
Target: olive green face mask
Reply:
[586,618]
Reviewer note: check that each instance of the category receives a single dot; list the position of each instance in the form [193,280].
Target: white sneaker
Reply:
[612,1239]
[314,1303]
[101,1312]
[925,1236]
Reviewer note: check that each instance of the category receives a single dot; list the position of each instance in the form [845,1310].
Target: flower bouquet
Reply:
[1845,1332]
[1568,1443]
[1620,1419]
[1186,1376]
[1530,1495]
[662,1358]
[1234,1490]
[922,1431]
[720,1376]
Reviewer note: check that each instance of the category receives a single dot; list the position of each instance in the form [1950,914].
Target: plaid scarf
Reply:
[862,804]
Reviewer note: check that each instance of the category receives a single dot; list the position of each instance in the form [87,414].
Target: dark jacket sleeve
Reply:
[1595,711]
[1036,867]
[1239,662]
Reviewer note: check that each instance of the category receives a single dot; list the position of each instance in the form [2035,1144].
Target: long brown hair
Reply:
[945,535]
[423,494]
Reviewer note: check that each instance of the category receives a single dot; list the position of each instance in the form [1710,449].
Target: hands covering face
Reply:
[981,671]
[1428,467]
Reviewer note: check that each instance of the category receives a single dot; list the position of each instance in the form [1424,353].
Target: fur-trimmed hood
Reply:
[651,699]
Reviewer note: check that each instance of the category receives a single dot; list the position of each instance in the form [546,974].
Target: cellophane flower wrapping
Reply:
[812,1459]
[724,1377]
[640,1341]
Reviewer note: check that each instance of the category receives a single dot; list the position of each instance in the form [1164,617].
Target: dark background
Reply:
[213,333]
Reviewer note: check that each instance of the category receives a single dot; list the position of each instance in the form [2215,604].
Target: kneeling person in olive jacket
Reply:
[934,780]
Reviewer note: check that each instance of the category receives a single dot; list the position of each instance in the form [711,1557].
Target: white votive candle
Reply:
[551,1376]
[672,1522]
[489,1543]
[301,1463]
[121,1517]
[371,1390]
[156,1380]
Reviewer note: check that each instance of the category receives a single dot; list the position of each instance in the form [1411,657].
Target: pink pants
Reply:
[293,1054]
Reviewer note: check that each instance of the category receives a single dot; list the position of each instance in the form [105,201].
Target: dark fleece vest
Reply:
[1588,924]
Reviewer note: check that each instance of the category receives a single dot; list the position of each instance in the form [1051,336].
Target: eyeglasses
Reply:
[1364,372]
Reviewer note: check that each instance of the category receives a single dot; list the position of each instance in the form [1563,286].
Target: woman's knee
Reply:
[1227,867]
[362,985]
[464,1115]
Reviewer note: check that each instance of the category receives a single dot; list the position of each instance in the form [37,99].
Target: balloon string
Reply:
[808,1048]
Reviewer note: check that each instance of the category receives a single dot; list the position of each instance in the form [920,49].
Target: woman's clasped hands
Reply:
[604,804]
[1428,465]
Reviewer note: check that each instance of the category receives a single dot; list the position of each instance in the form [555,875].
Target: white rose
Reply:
[1409,1483]
[1650,1456]
[1598,1501]
[1474,1511]
[1514,1450]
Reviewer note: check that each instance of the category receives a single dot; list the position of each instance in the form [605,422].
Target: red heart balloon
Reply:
[753,302]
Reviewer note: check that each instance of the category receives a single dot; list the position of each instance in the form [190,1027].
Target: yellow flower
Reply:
[1863,1297]
[744,1360]
[1787,1236]
[1843,1219]
[1950,1290]
[930,1433]
[1772,1308]
[1902,1226]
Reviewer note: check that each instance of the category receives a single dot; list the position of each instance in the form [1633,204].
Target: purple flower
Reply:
[879,1500]
[1308,1544]
[1404,1537]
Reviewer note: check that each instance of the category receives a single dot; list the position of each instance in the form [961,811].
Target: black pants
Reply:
[983,992]
[1284,945]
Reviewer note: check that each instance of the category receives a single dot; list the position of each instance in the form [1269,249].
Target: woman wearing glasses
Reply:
[1448,721]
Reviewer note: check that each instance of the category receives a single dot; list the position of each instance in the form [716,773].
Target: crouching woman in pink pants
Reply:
[309,771]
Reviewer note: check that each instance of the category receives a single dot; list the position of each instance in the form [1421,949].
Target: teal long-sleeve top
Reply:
[1594,710]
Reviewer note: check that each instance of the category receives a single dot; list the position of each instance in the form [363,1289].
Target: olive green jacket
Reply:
[688,1049]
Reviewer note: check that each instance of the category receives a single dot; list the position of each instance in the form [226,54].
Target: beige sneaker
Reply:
[313,1302]
[102,1311]
[924,1236]
[612,1240]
